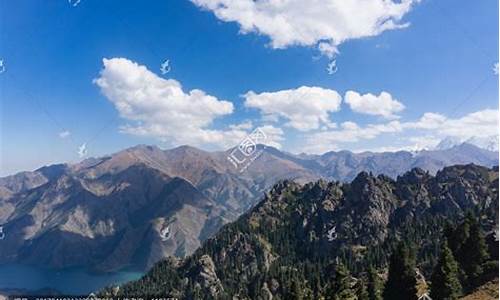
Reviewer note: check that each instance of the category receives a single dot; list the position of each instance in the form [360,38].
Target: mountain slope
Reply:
[62,204]
[108,222]
[294,238]
[488,291]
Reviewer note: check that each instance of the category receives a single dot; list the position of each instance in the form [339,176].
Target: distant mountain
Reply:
[490,143]
[345,165]
[134,207]
[448,142]
[291,243]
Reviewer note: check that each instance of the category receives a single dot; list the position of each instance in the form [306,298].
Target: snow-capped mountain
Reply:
[488,143]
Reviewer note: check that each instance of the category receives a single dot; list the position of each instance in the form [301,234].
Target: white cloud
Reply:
[419,142]
[274,135]
[322,23]
[64,134]
[246,125]
[428,131]
[425,133]
[349,132]
[482,123]
[432,128]
[495,68]
[304,108]
[382,105]
[160,108]
[428,121]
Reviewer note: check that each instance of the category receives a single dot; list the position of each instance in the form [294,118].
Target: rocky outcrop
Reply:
[207,278]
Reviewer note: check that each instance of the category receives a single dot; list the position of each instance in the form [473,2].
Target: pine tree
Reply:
[374,286]
[456,236]
[341,289]
[295,290]
[474,253]
[445,281]
[362,291]
[468,244]
[402,281]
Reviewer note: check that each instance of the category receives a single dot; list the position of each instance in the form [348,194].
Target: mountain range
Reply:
[137,206]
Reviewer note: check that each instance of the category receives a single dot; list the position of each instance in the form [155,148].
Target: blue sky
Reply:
[57,94]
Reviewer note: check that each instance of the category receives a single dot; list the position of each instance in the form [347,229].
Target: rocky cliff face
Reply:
[141,204]
[297,232]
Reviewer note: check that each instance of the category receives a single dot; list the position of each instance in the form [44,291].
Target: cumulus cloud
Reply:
[424,133]
[160,108]
[246,125]
[428,131]
[274,135]
[348,133]
[482,123]
[305,108]
[322,23]
[421,142]
[428,121]
[382,105]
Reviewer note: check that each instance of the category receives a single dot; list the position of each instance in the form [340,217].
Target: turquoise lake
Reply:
[71,281]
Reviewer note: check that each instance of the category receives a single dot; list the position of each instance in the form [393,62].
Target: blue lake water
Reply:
[71,281]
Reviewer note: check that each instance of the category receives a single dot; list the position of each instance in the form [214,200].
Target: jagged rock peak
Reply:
[414,176]
[469,171]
